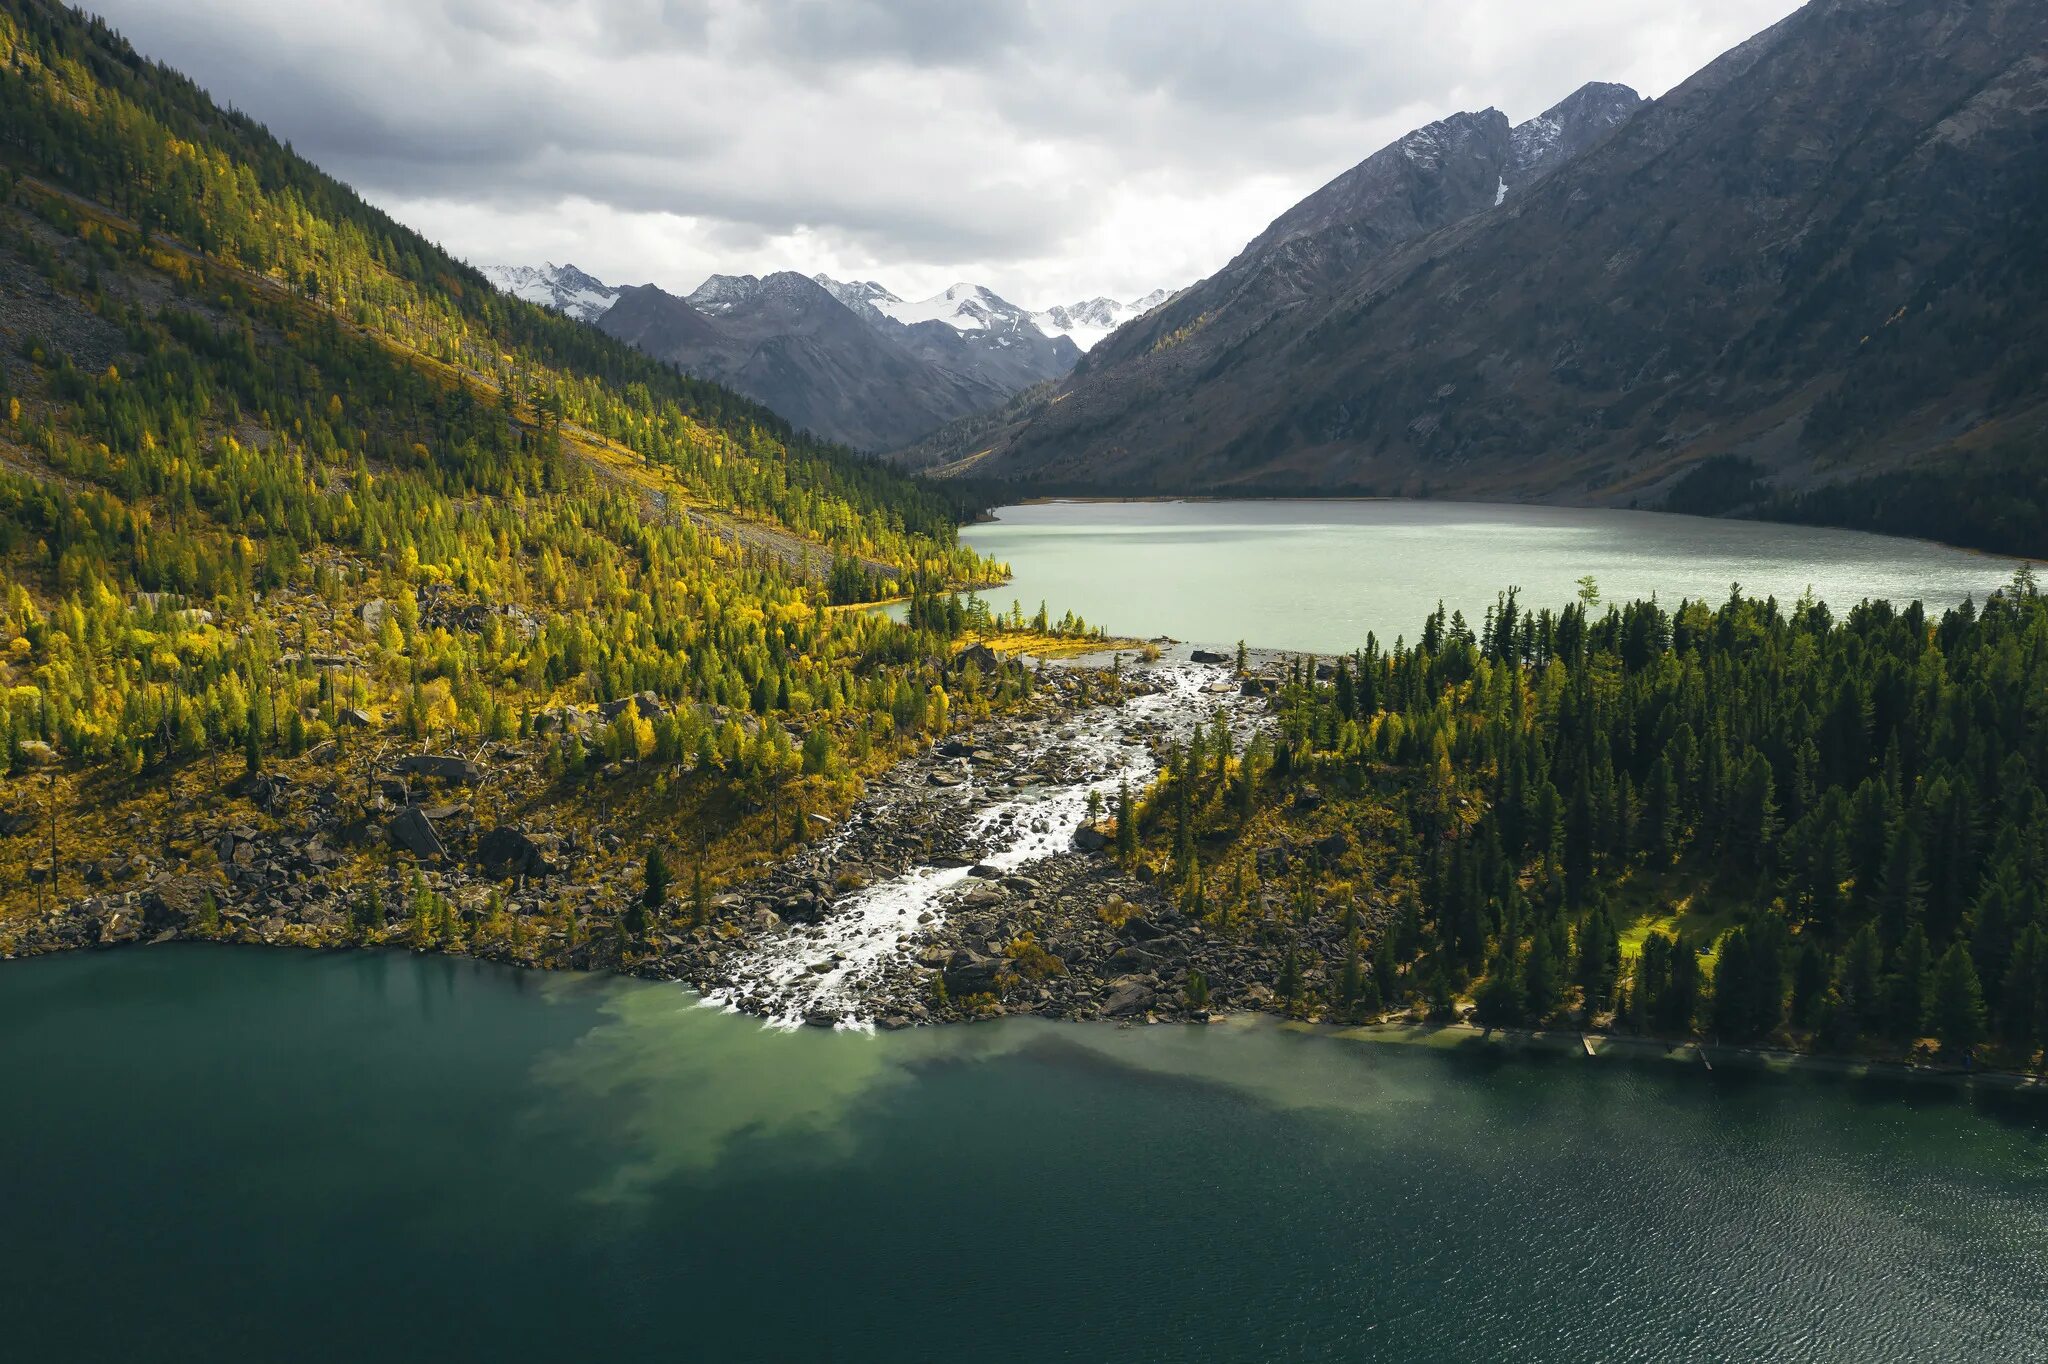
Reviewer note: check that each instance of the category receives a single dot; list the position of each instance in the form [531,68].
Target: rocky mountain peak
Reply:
[564,288]
[1565,130]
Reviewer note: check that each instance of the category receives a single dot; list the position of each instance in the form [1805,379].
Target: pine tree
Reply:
[252,746]
[369,909]
[1905,988]
[1289,983]
[1126,825]
[655,882]
[1498,1000]
[1956,1013]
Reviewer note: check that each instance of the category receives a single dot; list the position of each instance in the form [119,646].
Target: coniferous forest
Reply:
[285,491]
[291,501]
[1750,822]
[484,806]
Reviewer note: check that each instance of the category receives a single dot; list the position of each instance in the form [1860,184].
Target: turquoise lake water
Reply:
[220,1153]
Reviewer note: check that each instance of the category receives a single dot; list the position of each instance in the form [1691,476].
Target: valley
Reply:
[1804,284]
[1472,783]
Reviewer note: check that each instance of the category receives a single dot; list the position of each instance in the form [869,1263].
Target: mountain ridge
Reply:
[852,363]
[1811,259]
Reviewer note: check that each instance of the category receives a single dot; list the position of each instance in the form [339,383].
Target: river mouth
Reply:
[969,827]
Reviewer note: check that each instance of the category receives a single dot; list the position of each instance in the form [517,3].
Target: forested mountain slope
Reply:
[287,494]
[1811,278]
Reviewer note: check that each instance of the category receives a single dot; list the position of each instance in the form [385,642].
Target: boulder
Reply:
[1088,838]
[173,902]
[970,973]
[120,926]
[1333,847]
[983,896]
[1126,997]
[646,704]
[1209,656]
[1128,961]
[440,767]
[980,655]
[1138,928]
[14,823]
[506,851]
[412,830]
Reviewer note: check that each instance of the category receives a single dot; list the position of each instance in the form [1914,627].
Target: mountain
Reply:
[563,288]
[1153,361]
[968,328]
[963,307]
[1809,281]
[786,342]
[974,309]
[850,362]
[1444,173]
[282,480]
[1088,321]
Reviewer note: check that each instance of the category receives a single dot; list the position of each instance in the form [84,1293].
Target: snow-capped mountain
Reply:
[968,329]
[964,308]
[1089,321]
[976,308]
[562,287]
[865,297]
[723,295]
[849,360]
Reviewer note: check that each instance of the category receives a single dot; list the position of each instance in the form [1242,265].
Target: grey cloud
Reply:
[943,134]
[913,32]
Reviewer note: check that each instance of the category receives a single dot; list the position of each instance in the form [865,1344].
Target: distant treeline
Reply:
[1997,501]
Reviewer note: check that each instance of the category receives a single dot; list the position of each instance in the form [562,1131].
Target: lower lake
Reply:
[216,1153]
[1318,575]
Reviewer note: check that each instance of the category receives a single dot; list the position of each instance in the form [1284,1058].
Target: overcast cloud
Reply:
[1051,149]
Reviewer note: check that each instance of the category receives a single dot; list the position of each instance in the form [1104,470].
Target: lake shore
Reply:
[1690,1052]
[969,884]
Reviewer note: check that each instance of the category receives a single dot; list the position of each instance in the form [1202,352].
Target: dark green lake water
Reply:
[216,1153]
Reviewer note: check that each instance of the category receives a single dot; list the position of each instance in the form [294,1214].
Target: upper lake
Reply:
[1318,575]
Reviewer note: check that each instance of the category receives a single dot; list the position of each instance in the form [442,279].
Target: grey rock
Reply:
[1127,997]
[970,973]
[440,767]
[413,831]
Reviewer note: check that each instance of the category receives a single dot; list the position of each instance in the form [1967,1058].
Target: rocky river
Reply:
[956,859]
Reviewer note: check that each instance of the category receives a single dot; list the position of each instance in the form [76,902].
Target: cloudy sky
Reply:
[1051,149]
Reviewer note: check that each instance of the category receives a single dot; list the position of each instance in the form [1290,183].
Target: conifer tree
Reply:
[1956,1013]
